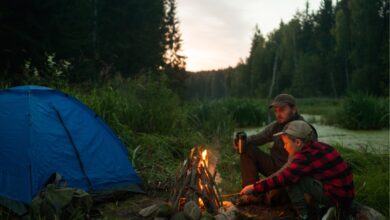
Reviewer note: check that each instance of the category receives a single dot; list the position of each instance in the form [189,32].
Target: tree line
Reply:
[93,39]
[337,49]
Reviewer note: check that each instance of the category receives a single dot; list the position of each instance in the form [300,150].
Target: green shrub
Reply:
[317,106]
[247,112]
[211,118]
[362,111]
[143,105]
[224,115]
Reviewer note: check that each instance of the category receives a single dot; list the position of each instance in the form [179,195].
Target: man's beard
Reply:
[281,121]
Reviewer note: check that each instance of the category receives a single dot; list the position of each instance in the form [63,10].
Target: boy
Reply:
[313,168]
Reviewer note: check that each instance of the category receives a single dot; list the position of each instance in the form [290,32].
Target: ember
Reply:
[195,183]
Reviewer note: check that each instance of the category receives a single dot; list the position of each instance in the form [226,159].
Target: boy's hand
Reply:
[247,190]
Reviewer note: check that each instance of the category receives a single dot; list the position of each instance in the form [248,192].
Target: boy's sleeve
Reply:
[289,174]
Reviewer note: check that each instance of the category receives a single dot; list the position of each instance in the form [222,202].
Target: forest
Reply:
[124,59]
[329,52]
[326,53]
[92,41]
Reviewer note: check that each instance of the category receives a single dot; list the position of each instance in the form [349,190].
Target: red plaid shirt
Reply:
[321,162]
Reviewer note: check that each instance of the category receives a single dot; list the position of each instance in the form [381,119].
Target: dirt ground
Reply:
[262,212]
[129,208]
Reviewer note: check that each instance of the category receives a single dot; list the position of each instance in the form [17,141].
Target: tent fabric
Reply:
[44,131]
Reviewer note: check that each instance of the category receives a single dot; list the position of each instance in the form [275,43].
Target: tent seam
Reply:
[29,140]
[74,147]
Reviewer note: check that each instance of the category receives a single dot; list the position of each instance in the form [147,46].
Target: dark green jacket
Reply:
[278,153]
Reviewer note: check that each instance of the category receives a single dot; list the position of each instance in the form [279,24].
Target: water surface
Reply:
[372,140]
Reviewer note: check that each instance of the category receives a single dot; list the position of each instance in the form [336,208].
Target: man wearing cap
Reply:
[313,168]
[255,161]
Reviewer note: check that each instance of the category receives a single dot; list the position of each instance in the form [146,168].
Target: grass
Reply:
[362,111]
[318,106]
[371,176]
[159,129]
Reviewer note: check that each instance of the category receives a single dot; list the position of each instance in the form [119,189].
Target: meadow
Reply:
[159,129]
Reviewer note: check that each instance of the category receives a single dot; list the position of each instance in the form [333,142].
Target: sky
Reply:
[217,33]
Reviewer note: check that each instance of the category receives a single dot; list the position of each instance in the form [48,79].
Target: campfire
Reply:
[194,182]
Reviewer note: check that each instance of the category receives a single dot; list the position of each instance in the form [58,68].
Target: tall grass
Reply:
[371,176]
[362,111]
[143,105]
[247,112]
[236,112]
[318,106]
[211,119]
[159,129]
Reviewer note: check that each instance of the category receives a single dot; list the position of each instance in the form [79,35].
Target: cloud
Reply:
[217,33]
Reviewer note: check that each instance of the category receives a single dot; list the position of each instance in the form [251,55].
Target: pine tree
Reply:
[324,46]
[367,36]
[173,42]
[342,35]
[175,63]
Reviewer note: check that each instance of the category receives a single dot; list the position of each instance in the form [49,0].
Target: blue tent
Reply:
[43,132]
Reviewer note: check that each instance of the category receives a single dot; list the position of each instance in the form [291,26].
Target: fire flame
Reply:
[200,203]
[205,158]
[204,161]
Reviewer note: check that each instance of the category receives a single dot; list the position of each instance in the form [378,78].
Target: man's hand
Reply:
[247,190]
[235,141]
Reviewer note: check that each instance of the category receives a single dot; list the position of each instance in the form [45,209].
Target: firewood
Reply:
[194,183]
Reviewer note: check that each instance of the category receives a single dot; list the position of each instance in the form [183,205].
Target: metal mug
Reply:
[240,142]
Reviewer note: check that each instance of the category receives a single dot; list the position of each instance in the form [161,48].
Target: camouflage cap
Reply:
[298,129]
[282,100]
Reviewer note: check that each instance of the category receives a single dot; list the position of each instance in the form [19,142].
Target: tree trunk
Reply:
[346,72]
[273,79]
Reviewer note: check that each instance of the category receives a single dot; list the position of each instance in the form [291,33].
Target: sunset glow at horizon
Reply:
[217,33]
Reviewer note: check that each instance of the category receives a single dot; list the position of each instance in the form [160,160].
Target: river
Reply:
[373,140]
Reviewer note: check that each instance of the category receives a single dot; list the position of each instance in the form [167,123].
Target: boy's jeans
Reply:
[307,185]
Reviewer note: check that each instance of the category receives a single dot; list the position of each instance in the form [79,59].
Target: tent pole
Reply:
[74,147]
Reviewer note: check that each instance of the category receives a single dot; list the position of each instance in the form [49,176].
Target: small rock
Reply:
[227,214]
[148,211]
[207,216]
[368,213]
[179,216]
[221,217]
[192,211]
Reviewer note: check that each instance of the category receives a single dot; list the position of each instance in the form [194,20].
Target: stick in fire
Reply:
[194,182]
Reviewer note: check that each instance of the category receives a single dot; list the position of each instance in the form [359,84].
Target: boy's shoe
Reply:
[329,214]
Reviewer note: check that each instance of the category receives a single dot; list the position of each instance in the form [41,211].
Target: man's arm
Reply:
[263,137]
[297,168]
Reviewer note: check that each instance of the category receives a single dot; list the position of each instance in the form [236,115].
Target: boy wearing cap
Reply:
[313,168]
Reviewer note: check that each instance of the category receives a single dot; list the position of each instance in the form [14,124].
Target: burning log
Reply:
[194,182]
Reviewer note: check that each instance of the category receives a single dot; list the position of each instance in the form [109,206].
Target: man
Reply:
[313,168]
[255,161]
